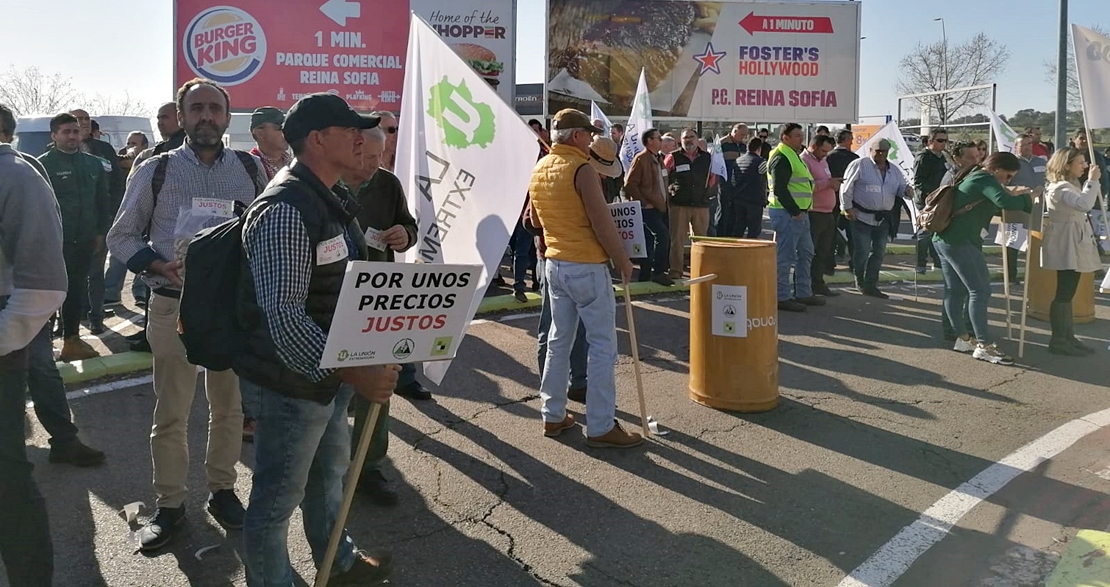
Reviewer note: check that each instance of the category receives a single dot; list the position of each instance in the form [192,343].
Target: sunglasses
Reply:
[390,129]
[940,140]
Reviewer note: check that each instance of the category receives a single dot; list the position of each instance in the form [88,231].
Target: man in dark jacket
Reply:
[297,240]
[928,170]
[384,216]
[80,182]
[839,159]
[117,179]
[690,184]
[169,127]
[749,183]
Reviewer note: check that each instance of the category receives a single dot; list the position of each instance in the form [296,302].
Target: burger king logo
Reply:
[225,44]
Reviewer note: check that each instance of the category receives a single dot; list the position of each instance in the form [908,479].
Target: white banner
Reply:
[1092,64]
[638,122]
[460,159]
[900,154]
[1003,134]
[400,313]
[717,165]
[1012,235]
[597,114]
[629,220]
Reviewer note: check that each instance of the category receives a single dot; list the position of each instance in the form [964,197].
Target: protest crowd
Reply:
[319,190]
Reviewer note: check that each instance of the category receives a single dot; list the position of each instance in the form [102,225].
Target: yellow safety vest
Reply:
[801,180]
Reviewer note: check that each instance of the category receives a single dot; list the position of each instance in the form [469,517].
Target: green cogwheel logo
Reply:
[893,155]
[342,356]
[464,121]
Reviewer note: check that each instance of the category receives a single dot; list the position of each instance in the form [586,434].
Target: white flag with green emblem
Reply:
[1005,135]
[465,159]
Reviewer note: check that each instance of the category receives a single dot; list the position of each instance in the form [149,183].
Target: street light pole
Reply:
[1062,79]
[944,97]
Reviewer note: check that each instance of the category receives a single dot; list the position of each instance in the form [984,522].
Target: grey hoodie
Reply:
[32,271]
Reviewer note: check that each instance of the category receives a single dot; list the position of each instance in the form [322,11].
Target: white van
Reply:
[32,133]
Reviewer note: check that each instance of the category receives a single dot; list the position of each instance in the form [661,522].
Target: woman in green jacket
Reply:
[980,196]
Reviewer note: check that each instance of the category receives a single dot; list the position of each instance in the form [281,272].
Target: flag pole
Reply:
[1006,280]
[353,472]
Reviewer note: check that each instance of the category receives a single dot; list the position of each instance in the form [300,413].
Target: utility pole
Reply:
[947,83]
[1062,72]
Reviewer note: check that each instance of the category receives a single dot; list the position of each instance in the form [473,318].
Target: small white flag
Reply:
[717,164]
[638,122]
[1003,134]
[597,114]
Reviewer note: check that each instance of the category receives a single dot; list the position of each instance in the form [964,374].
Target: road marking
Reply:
[896,556]
[110,386]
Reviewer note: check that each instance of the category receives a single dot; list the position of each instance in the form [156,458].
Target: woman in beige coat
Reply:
[1069,246]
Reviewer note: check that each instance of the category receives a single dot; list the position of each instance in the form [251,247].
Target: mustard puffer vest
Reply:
[566,227]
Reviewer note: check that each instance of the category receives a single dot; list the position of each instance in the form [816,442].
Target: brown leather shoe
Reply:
[615,438]
[553,429]
[75,349]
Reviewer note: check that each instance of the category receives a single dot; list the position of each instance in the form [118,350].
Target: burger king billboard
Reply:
[273,52]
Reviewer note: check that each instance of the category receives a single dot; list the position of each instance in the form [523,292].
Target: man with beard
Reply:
[80,183]
[193,177]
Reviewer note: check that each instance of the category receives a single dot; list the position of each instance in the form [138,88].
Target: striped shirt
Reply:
[188,184]
[279,253]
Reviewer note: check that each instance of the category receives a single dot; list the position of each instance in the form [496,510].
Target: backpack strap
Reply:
[156,182]
[252,168]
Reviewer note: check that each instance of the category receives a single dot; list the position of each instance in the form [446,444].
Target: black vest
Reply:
[688,187]
[326,214]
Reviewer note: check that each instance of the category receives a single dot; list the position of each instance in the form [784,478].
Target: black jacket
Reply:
[326,214]
[749,181]
[928,171]
[839,159]
[689,180]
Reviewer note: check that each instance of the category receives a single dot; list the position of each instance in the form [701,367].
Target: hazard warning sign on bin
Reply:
[730,310]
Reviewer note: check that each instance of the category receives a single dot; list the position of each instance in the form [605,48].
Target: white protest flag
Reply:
[1005,135]
[900,154]
[1092,65]
[717,164]
[597,114]
[465,159]
[638,122]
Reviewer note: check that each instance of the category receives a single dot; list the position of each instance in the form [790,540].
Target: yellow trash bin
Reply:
[1042,288]
[734,353]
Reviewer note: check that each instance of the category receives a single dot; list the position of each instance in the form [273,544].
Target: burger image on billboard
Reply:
[224,44]
[481,60]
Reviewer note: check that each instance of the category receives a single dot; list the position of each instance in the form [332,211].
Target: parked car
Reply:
[32,133]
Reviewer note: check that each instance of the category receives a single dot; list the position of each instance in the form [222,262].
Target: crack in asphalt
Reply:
[616,580]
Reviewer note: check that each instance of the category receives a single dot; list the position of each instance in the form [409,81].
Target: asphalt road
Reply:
[878,420]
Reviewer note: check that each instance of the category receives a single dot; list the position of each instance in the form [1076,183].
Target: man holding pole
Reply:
[297,239]
[581,238]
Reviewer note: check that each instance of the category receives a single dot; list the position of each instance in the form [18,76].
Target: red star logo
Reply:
[709,60]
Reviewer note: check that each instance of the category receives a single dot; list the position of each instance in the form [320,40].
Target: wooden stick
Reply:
[636,361]
[1024,306]
[353,473]
[1006,279]
[702,279]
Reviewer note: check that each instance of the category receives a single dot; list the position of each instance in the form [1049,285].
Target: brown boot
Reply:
[615,438]
[75,349]
[553,429]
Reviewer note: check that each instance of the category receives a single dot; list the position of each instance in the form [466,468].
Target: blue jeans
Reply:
[658,237]
[868,249]
[302,450]
[581,291]
[114,278]
[47,389]
[523,258]
[578,352]
[794,245]
[966,280]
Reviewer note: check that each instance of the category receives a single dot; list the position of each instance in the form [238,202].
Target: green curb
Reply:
[129,362]
[114,364]
[1085,563]
[891,249]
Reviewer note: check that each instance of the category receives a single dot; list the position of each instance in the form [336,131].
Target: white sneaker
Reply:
[965,345]
[991,354]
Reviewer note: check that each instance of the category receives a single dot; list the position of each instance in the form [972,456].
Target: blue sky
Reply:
[111,46]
